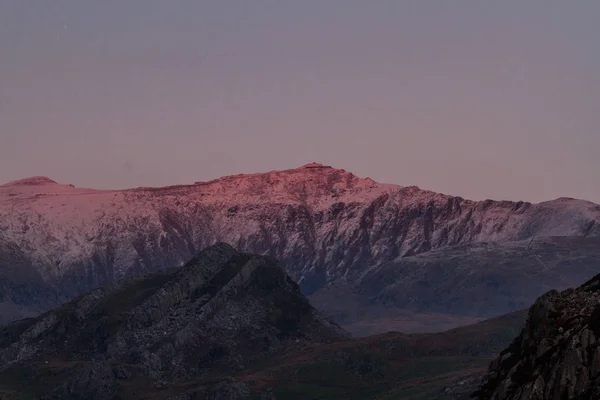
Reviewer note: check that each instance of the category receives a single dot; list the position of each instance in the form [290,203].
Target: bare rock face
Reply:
[217,314]
[557,355]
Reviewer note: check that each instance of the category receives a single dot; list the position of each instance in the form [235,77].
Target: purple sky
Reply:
[468,98]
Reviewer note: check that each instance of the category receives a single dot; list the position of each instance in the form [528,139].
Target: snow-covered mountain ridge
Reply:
[324,224]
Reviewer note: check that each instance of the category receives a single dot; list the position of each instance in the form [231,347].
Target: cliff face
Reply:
[216,315]
[557,355]
[325,225]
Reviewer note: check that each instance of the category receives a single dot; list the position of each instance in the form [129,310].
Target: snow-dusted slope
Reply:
[324,224]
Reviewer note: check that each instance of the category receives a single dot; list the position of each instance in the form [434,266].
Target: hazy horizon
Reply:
[497,101]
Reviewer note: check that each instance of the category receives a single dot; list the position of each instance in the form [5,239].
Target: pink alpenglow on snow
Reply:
[316,219]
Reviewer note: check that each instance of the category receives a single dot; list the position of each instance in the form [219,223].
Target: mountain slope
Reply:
[470,282]
[325,225]
[391,366]
[229,325]
[556,356]
[216,315]
[23,291]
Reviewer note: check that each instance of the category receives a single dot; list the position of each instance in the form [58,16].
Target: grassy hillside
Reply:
[389,366]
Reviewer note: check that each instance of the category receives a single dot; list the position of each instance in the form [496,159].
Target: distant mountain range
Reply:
[385,245]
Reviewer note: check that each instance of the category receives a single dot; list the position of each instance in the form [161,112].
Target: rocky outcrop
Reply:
[557,355]
[217,314]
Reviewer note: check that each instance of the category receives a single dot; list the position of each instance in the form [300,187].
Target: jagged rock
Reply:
[556,356]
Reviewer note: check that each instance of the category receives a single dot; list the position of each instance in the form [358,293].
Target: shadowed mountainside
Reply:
[216,315]
[23,291]
[458,285]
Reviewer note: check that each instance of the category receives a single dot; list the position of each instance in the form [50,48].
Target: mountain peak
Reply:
[314,165]
[221,311]
[32,181]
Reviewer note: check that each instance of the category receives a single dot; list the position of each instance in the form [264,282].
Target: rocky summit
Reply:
[557,354]
[179,332]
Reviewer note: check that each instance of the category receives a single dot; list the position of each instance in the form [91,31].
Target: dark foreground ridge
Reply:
[178,333]
[556,356]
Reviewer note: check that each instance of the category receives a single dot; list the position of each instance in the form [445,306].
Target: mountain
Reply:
[178,332]
[229,325]
[556,355]
[459,285]
[326,225]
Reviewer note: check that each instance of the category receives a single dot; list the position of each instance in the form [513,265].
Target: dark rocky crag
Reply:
[219,313]
[557,354]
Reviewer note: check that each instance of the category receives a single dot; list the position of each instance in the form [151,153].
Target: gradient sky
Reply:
[479,99]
